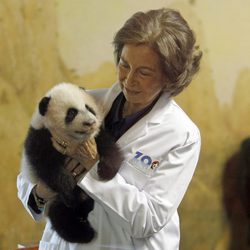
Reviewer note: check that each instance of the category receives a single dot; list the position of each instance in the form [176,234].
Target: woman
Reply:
[156,59]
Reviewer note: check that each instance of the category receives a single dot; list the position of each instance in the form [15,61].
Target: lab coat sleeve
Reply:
[98,95]
[24,188]
[105,97]
[143,212]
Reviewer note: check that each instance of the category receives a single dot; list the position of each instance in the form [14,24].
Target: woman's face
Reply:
[140,74]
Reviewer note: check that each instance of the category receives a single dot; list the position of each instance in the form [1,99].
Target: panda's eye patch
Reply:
[90,109]
[71,114]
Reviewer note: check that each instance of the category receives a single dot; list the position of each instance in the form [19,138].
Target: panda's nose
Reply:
[89,122]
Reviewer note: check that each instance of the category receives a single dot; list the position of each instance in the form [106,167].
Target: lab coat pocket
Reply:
[135,174]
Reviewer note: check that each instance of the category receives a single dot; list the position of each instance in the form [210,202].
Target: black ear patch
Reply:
[90,109]
[43,105]
[82,88]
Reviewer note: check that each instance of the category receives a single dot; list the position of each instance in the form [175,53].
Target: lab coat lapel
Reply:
[154,117]
[110,96]
[136,131]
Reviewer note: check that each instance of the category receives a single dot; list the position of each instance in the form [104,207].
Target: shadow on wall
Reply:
[236,197]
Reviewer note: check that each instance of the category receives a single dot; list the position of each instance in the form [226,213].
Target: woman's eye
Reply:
[145,73]
[123,65]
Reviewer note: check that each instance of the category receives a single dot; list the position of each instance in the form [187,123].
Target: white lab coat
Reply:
[137,209]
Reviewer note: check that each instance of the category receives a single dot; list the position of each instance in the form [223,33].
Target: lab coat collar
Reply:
[154,117]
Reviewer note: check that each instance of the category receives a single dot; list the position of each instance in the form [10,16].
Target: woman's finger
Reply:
[58,147]
[71,165]
[44,191]
[78,170]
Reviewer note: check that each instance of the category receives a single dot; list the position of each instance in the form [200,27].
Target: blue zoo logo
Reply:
[146,160]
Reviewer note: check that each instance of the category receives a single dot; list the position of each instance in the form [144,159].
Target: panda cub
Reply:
[72,112]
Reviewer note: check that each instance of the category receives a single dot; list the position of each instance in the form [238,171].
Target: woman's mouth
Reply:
[132,92]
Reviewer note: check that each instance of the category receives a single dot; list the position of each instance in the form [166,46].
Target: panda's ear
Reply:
[82,88]
[43,105]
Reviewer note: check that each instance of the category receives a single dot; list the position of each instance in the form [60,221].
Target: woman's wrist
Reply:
[40,202]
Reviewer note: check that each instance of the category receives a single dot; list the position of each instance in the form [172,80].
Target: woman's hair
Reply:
[166,31]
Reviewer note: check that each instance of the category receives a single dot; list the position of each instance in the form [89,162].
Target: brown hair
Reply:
[167,32]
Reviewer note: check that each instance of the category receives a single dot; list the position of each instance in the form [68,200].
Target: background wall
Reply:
[49,41]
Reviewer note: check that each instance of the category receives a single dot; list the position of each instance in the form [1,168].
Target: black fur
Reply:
[71,222]
[71,114]
[110,156]
[43,105]
[69,211]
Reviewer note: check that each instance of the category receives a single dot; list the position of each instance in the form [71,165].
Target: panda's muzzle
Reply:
[89,123]
[88,127]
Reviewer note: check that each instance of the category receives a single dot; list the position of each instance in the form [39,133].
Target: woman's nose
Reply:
[130,79]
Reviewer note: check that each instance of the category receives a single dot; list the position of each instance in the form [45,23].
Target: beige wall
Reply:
[45,42]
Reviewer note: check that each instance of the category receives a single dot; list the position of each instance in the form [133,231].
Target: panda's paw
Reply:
[105,171]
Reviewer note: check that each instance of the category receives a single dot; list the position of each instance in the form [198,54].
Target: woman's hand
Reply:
[44,192]
[75,168]
[84,152]
[87,153]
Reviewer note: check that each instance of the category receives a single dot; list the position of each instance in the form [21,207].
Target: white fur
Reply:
[37,121]
[64,96]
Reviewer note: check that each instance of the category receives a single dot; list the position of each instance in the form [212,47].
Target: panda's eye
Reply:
[71,114]
[90,109]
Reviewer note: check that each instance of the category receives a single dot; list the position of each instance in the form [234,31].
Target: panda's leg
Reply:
[71,222]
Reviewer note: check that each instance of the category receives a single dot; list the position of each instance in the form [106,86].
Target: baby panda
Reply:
[72,112]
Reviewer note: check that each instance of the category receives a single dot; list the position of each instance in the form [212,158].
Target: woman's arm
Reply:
[146,211]
[25,188]
[32,195]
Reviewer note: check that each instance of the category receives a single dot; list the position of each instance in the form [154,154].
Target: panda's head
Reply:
[70,111]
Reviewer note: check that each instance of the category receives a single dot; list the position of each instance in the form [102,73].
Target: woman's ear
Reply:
[43,105]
